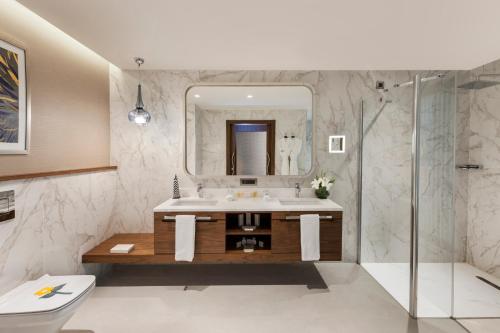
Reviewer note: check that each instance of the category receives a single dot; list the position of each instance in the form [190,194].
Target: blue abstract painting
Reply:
[9,96]
[13,102]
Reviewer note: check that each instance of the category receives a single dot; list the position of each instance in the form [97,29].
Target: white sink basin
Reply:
[300,202]
[194,202]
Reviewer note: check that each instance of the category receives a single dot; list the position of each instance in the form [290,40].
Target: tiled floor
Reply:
[481,325]
[472,297]
[353,303]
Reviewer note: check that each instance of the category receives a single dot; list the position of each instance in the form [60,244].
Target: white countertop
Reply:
[247,205]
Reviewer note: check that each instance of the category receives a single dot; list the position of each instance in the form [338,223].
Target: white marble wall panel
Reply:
[436,170]
[461,190]
[483,236]
[387,176]
[57,220]
[150,156]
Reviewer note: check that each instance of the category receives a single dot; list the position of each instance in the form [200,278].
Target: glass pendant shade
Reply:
[139,115]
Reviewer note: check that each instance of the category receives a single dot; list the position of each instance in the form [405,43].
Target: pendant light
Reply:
[139,115]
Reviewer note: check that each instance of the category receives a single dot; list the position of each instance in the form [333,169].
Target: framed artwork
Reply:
[336,144]
[14,116]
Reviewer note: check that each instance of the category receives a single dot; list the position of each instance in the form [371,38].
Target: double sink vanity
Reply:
[222,225]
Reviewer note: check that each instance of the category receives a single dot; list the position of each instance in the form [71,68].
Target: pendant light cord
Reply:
[139,61]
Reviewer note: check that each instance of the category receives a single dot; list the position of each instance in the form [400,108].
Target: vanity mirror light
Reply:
[249,130]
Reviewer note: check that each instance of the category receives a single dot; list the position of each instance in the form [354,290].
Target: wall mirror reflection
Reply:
[249,130]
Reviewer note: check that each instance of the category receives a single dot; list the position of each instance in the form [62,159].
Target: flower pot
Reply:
[322,193]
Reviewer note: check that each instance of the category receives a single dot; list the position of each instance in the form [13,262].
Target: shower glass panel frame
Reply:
[424,155]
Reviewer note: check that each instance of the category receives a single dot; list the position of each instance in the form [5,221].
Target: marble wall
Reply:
[437,170]
[57,220]
[483,233]
[387,177]
[150,156]
[461,191]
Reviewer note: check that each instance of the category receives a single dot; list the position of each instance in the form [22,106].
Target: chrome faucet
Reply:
[199,187]
[297,190]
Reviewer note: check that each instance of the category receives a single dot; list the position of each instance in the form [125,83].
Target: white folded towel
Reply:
[309,237]
[185,228]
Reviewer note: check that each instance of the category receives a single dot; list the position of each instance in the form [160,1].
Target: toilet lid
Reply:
[48,293]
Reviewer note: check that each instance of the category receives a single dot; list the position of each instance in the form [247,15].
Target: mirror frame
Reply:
[253,84]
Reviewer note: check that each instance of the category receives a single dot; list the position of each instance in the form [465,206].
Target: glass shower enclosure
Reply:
[406,166]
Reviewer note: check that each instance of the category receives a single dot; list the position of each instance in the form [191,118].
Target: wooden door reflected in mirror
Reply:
[250,147]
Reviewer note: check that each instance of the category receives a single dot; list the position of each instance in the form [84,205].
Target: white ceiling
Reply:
[283,34]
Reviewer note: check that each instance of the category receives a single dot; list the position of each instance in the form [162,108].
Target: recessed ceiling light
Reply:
[196,96]
[249,96]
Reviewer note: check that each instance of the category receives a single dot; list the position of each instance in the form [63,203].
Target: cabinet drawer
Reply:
[286,234]
[209,236]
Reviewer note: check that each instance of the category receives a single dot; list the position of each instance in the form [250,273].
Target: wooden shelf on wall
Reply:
[57,173]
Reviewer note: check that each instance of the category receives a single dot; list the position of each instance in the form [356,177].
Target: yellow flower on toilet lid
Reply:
[44,291]
[48,292]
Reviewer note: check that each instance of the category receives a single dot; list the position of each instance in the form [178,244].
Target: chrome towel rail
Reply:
[297,218]
[198,219]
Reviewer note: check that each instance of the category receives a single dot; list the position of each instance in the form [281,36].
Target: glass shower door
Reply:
[386,191]
[436,101]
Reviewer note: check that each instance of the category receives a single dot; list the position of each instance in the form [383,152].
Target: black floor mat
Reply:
[213,275]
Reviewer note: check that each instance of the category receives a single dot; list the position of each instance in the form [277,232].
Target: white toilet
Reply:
[43,305]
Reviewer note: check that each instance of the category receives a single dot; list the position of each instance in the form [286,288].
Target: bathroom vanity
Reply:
[277,237]
[218,232]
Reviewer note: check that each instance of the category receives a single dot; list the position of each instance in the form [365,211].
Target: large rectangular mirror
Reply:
[249,130]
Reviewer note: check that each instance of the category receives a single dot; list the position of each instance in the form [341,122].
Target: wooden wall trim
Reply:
[57,173]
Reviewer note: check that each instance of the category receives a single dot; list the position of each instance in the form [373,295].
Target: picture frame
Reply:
[336,144]
[14,99]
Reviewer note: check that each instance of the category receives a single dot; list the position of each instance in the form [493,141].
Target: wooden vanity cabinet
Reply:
[209,237]
[215,239]
[286,234]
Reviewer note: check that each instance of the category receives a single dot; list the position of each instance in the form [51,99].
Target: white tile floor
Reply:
[481,325]
[472,297]
[353,303]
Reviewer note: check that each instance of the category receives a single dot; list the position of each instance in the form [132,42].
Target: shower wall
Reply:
[436,170]
[385,232]
[483,229]
[461,188]
[387,176]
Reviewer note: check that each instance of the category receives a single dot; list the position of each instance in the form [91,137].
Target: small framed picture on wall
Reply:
[14,113]
[336,144]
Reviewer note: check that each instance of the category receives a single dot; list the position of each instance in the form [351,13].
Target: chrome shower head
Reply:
[477,83]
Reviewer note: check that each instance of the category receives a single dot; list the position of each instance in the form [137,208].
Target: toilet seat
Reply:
[39,296]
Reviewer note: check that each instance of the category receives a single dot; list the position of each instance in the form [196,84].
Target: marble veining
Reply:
[149,157]
[57,220]
[483,232]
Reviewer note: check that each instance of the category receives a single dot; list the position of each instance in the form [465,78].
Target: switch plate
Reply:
[7,206]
